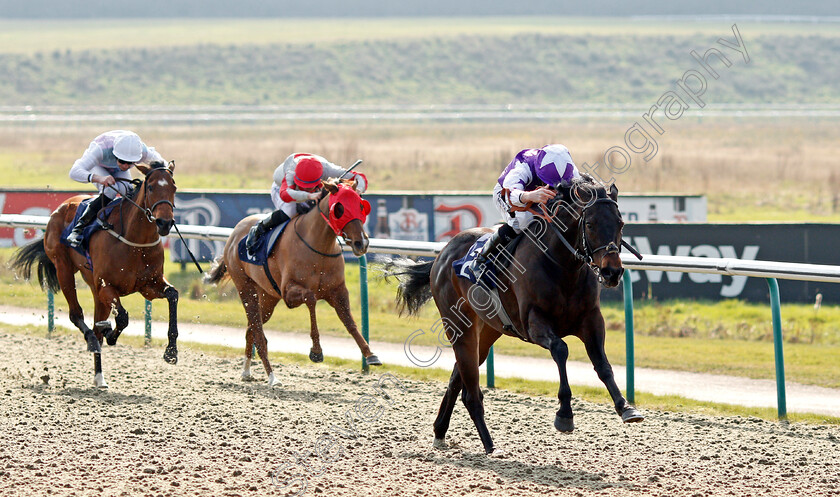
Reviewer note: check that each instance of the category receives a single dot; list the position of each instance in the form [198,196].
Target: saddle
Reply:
[262,251]
[90,229]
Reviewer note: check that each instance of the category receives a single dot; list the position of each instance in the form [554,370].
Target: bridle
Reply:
[327,220]
[148,211]
[585,254]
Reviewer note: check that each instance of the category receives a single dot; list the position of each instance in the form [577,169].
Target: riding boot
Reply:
[497,240]
[93,208]
[273,220]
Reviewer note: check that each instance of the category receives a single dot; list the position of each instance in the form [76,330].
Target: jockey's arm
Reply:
[81,170]
[151,155]
[333,171]
[515,183]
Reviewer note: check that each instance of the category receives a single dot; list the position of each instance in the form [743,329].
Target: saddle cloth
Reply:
[263,247]
[91,228]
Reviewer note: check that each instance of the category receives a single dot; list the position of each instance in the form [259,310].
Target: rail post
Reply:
[50,312]
[363,283]
[778,347]
[491,373]
[628,331]
[148,340]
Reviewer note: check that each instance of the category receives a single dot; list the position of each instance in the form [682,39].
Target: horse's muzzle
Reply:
[360,247]
[164,226]
[612,275]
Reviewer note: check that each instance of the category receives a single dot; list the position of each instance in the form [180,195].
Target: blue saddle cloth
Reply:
[91,228]
[465,266]
[263,247]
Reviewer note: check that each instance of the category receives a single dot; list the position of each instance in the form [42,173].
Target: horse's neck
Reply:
[558,250]
[315,229]
[132,222]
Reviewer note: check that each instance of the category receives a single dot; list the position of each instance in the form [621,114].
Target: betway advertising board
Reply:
[806,243]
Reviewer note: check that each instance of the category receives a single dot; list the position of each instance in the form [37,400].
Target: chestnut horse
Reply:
[307,265]
[553,291]
[125,259]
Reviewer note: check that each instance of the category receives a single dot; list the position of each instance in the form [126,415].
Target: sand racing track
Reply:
[196,429]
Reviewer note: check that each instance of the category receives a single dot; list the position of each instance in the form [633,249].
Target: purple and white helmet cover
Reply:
[556,165]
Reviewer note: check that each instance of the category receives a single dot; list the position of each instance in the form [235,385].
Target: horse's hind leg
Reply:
[488,337]
[339,299]
[267,305]
[250,296]
[67,282]
[593,335]
[446,406]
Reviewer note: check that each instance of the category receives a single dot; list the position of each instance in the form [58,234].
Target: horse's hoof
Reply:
[170,355]
[565,425]
[631,415]
[111,337]
[440,443]
[373,361]
[99,381]
[272,381]
[247,377]
[319,357]
[93,344]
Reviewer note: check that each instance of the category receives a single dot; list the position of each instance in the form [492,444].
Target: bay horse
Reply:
[306,264]
[553,281]
[124,259]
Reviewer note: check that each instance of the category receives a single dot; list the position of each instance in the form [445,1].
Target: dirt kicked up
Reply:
[196,429]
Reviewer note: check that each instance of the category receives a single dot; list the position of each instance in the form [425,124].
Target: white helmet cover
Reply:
[128,147]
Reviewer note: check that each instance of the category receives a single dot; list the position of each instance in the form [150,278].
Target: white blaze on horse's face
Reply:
[162,182]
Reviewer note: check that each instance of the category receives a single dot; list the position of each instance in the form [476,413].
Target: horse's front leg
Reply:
[295,295]
[162,289]
[592,334]
[544,334]
[339,299]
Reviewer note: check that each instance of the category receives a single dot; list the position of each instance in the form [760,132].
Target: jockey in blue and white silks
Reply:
[523,182]
[107,159]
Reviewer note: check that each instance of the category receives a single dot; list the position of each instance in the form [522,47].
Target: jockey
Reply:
[525,181]
[297,179]
[108,159]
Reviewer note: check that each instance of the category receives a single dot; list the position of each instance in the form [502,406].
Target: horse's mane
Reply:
[566,192]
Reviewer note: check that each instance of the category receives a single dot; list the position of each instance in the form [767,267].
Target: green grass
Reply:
[31,36]
[728,337]
[671,403]
[363,61]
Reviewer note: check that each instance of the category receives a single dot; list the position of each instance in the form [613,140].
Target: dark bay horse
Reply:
[553,291]
[126,259]
[307,265]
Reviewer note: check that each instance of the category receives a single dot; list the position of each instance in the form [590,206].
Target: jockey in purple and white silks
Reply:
[522,182]
[107,159]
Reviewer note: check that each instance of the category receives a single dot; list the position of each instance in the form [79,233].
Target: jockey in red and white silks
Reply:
[298,179]
[522,182]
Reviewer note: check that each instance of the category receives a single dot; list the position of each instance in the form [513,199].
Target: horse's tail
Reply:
[218,272]
[415,283]
[28,255]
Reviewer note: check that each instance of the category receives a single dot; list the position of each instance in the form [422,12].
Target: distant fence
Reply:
[769,270]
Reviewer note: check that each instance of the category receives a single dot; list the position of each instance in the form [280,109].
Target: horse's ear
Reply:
[331,187]
[171,167]
[143,168]
[614,192]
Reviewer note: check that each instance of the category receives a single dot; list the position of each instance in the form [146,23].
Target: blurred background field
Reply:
[768,167]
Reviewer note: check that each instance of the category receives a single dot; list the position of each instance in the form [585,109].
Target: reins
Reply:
[149,212]
[310,247]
